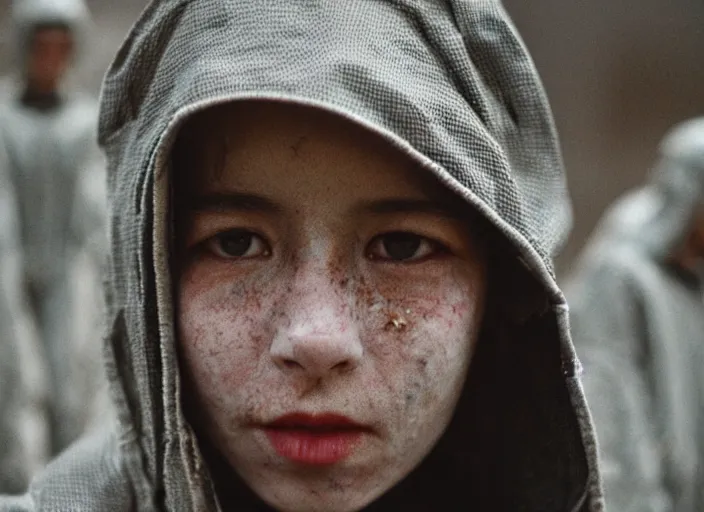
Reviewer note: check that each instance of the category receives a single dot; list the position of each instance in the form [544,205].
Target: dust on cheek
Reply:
[421,338]
[223,332]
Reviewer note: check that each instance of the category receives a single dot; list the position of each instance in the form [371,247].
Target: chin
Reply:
[325,494]
[305,500]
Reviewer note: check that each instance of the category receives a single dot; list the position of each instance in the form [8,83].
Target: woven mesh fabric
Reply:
[88,476]
[448,82]
[451,79]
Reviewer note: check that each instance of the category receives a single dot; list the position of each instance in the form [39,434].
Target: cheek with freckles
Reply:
[225,331]
[419,336]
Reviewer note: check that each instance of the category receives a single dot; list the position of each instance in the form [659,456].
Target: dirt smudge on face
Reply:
[396,323]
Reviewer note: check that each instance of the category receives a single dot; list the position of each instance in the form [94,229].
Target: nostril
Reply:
[342,366]
[291,364]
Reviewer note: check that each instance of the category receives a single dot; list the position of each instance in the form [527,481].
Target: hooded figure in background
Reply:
[331,276]
[638,323]
[58,174]
[23,428]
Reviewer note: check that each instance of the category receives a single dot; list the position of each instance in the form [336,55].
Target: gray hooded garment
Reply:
[23,433]
[638,324]
[450,84]
[58,176]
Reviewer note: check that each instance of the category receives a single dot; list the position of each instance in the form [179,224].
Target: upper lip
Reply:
[324,421]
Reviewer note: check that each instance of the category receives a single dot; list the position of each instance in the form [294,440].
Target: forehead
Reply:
[52,34]
[255,144]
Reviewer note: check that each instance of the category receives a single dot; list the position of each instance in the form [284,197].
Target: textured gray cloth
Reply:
[449,83]
[56,169]
[638,324]
[23,446]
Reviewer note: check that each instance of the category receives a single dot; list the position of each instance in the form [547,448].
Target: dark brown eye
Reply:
[401,246]
[238,243]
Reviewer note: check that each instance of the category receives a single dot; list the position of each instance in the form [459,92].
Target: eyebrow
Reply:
[235,201]
[228,201]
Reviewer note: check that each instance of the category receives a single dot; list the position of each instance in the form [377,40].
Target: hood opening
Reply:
[515,389]
[514,394]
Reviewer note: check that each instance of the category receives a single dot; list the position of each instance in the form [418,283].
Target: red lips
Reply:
[320,439]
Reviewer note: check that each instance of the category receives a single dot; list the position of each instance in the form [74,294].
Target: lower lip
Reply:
[313,448]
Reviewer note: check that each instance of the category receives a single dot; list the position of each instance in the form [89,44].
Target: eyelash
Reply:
[214,244]
[432,247]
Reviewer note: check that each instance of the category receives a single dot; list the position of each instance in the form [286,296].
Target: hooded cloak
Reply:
[23,436]
[452,86]
[638,323]
[52,155]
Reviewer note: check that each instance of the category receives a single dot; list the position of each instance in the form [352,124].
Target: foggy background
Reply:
[618,74]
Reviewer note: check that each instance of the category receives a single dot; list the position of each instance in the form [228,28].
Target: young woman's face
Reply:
[329,304]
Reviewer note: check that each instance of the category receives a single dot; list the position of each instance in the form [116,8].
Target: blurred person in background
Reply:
[23,426]
[638,325]
[57,172]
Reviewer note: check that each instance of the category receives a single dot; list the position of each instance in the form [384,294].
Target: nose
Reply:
[318,336]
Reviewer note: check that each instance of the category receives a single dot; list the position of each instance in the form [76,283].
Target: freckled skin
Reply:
[317,321]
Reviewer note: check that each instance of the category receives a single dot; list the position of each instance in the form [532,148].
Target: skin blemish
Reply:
[396,322]
[298,145]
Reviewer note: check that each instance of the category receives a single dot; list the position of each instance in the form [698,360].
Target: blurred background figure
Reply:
[48,131]
[637,307]
[23,426]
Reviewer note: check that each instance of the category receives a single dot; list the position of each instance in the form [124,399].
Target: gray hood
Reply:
[449,83]
[657,216]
